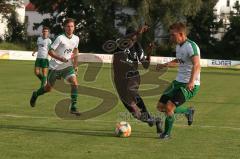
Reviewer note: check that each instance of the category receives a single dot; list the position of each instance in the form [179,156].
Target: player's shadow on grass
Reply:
[85,132]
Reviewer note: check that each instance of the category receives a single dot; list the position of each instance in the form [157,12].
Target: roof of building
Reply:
[30,7]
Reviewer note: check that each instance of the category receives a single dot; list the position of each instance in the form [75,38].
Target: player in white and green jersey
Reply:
[64,64]
[41,63]
[187,83]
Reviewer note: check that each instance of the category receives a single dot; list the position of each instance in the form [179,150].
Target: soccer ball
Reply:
[123,129]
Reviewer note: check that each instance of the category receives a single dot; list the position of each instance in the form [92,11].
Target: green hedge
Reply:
[13,46]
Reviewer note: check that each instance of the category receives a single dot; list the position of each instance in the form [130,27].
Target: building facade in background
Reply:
[33,16]
[223,9]
[29,15]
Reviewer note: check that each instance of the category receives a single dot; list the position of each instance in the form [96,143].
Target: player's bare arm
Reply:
[56,56]
[147,59]
[150,48]
[168,64]
[195,71]
[75,59]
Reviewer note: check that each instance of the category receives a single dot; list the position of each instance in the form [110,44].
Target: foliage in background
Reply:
[16,30]
[6,7]
[229,47]
[98,21]
[94,19]
[203,26]
[13,46]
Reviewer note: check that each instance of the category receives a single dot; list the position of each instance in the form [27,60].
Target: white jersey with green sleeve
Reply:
[184,54]
[43,46]
[63,46]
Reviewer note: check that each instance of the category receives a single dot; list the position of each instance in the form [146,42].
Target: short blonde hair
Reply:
[179,27]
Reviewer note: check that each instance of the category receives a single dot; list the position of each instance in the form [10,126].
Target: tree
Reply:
[160,14]
[15,28]
[230,44]
[203,26]
[96,19]
[5,7]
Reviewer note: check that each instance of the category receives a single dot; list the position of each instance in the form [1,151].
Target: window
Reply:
[228,3]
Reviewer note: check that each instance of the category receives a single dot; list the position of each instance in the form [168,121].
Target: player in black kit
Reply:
[127,77]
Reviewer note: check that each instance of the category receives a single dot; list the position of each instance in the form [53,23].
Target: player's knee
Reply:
[169,111]
[162,103]
[73,81]
[45,72]
[170,108]
[37,72]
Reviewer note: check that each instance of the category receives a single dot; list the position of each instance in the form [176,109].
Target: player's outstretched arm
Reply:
[168,64]
[146,60]
[55,56]
[140,31]
[150,48]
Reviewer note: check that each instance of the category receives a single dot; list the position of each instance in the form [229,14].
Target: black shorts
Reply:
[178,98]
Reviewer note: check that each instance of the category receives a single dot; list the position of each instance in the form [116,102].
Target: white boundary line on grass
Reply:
[107,121]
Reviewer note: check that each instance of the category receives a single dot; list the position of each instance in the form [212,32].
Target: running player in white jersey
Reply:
[64,64]
[187,82]
[41,63]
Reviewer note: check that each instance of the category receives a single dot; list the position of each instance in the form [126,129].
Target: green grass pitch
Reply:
[34,133]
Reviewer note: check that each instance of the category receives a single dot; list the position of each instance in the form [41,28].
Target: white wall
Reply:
[34,17]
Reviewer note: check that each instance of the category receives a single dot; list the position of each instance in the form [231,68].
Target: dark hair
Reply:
[46,28]
[179,27]
[68,20]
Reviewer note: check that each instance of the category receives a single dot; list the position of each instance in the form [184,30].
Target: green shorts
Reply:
[65,73]
[42,63]
[178,93]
